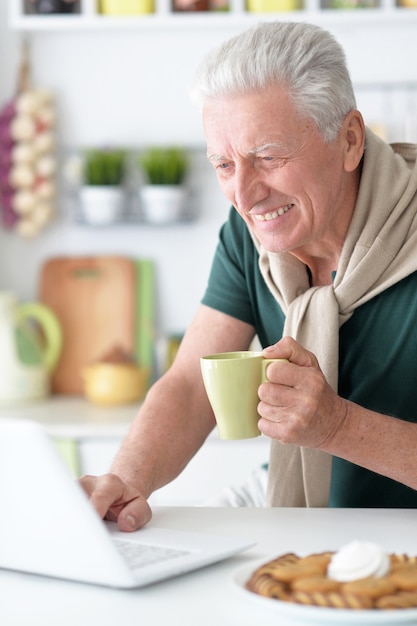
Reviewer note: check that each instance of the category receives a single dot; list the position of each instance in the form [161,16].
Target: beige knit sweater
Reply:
[380,249]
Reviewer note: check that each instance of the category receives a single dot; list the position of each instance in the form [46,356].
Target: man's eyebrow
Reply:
[216,157]
[266,146]
[253,151]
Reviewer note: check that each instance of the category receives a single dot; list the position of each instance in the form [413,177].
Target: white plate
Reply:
[322,615]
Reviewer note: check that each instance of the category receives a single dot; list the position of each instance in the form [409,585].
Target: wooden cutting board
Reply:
[94,300]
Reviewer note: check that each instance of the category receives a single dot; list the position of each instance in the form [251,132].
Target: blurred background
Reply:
[83,83]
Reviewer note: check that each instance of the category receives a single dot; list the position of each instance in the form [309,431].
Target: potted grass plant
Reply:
[102,192]
[164,191]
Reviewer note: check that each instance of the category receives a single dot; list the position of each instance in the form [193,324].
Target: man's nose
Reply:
[249,187]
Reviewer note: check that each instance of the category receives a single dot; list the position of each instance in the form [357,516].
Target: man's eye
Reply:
[269,159]
[224,169]
[272,161]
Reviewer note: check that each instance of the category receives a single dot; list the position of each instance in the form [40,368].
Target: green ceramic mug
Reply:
[231,380]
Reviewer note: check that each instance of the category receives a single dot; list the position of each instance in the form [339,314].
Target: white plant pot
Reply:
[101,204]
[162,204]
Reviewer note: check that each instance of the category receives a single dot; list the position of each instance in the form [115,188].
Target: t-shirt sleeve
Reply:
[227,289]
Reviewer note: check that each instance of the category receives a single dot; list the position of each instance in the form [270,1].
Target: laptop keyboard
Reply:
[138,555]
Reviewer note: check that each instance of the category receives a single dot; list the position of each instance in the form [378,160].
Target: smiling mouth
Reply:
[272,215]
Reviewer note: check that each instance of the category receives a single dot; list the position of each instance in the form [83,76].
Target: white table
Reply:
[207,597]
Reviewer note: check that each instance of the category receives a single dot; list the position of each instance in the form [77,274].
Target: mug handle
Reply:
[265,363]
[51,328]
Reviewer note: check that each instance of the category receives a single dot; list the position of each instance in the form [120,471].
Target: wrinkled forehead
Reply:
[249,122]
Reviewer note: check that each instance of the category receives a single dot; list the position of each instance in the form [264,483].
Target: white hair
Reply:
[305,59]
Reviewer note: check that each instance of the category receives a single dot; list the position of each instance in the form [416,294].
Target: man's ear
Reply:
[353,135]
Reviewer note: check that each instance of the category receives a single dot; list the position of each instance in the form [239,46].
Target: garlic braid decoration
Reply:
[28,191]
[33,171]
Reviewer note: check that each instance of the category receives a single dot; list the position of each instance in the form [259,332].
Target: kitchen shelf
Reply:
[133,215]
[133,220]
[88,19]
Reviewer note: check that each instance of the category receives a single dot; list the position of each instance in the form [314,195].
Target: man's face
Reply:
[290,187]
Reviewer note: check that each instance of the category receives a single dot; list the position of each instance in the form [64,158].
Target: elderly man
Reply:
[318,260]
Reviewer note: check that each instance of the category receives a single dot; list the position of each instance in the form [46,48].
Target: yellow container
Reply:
[273,6]
[126,7]
[110,384]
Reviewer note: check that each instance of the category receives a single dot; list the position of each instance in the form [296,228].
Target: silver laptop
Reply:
[48,527]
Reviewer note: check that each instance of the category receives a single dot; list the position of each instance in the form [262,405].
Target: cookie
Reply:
[332,599]
[266,586]
[281,561]
[400,600]
[289,573]
[402,559]
[319,561]
[370,587]
[310,584]
[405,578]
[289,569]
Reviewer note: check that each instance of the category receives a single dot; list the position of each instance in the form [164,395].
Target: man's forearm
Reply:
[163,438]
[380,443]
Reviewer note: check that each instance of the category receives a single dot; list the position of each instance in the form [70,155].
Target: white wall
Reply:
[115,87]
[130,87]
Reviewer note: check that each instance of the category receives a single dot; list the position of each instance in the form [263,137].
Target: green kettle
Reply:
[30,347]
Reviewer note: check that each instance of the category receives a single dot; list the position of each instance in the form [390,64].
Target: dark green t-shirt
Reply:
[377,353]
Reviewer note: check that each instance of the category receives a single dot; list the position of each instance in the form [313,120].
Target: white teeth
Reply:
[273,215]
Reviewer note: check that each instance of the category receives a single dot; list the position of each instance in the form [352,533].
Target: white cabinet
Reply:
[216,466]
[89,436]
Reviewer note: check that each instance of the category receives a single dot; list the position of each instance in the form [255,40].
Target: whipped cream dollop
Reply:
[358,559]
